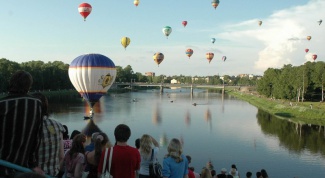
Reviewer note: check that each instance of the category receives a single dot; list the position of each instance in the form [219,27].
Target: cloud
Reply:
[281,39]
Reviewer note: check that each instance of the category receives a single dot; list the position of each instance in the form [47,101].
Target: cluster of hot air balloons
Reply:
[314,56]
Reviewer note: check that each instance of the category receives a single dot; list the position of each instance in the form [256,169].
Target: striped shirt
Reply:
[20,129]
[50,146]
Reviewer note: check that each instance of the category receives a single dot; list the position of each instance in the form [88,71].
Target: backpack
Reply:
[155,169]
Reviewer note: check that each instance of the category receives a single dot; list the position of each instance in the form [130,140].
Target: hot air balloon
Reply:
[84,9]
[224,58]
[189,52]
[92,75]
[215,3]
[125,41]
[306,50]
[158,57]
[320,21]
[213,40]
[308,38]
[167,30]
[184,23]
[314,57]
[260,22]
[209,56]
[136,2]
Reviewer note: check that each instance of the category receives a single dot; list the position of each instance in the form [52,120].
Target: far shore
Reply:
[299,112]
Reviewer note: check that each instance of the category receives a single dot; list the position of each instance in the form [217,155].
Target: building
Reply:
[148,74]
[173,81]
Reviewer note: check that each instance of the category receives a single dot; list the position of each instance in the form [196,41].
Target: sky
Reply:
[53,30]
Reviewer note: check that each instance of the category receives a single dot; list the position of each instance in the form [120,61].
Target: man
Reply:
[21,125]
[125,159]
[190,172]
[223,173]
[51,151]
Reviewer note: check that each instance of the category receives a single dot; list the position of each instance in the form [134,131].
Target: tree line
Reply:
[304,82]
[54,76]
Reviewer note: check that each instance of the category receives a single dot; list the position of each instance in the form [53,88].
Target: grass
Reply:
[302,112]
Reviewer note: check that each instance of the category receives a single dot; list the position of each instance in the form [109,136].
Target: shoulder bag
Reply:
[106,174]
[155,169]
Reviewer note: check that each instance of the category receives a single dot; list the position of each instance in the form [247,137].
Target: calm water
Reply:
[224,130]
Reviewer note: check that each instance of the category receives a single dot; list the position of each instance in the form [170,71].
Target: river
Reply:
[221,129]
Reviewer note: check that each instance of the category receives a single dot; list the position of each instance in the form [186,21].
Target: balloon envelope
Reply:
[215,3]
[209,56]
[260,23]
[125,41]
[158,57]
[189,52]
[308,38]
[213,40]
[224,58]
[314,57]
[84,10]
[167,30]
[92,75]
[136,2]
[184,23]
[306,50]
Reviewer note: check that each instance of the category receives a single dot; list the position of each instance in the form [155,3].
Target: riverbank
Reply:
[300,112]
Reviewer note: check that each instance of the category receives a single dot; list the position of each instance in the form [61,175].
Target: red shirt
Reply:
[190,174]
[125,161]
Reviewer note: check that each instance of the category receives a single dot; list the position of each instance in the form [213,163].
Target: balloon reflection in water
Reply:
[97,108]
[163,140]
[90,128]
[188,118]
[208,118]
[156,116]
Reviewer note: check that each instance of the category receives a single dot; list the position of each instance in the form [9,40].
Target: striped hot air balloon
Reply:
[158,57]
[189,52]
[84,9]
[209,56]
[125,41]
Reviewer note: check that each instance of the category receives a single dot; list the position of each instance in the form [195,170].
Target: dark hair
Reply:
[99,144]
[264,173]
[137,143]
[65,133]
[122,133]
[213,172]
[234,166]
[45,103]
[30,175]
[258,174]
[20,82]
[77,145]
[74,133]
[188,157]
[248,174]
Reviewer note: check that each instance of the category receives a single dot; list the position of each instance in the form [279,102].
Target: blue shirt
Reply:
[90,147]
[172,169]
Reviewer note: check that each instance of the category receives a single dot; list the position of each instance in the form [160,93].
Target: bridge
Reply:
[130,85]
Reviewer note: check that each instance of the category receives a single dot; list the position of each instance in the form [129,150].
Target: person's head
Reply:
[145,145]
[122,133]
[205,173]
[137,143]
[234,166]
[258,175]
[74,133]
[191,168]
[44,101]
[94,136]
[175,150]
[189,158]
[248,174]
[20,82]
[264,173]
[65,133]
[223,171]
[213,173]
[101,141]
[78,144]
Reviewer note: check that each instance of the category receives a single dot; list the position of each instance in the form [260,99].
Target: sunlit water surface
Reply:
[224,130]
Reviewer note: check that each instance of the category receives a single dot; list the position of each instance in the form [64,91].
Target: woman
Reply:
[205,173]
[175,163]
[93,157]
[74,159]
[147,145]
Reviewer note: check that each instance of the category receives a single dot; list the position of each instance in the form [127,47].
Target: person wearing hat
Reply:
[223,173]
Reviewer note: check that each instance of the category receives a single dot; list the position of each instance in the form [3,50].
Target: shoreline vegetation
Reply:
[298,112]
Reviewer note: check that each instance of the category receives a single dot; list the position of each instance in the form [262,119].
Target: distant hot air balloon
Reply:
[213,40]
[158,57]
[167,30]
[314,57]
[184,23]
[84,9]
[92,75]
[224,58]
[125,41]
[308,38]
[306,50]
[320,21]
[136,2]
[209,56]
[215,3]
[189,52]
[260,22]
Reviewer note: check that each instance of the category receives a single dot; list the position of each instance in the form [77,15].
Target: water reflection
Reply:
[294,136]
[187,118]
[156,116]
